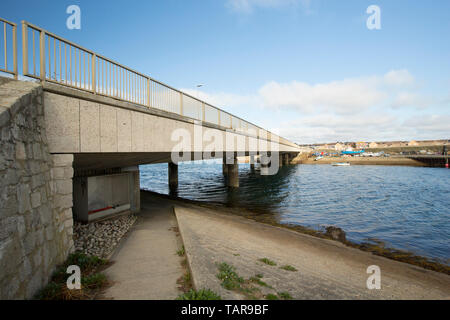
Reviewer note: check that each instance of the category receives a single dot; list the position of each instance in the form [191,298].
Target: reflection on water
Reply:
[406,207]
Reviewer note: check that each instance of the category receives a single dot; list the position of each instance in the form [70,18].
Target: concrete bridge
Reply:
[72,140]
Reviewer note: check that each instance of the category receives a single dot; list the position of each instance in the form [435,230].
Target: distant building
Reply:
[339,146]
[413,143]
[361,145]
[373,145]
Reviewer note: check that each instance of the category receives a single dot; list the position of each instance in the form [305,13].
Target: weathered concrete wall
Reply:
[75,125]
[36,224]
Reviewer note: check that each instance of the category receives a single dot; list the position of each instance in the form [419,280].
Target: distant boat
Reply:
[350,152]
[340,164]
[318,158]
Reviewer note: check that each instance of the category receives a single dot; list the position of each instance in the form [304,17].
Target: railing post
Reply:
[15,51]
[24,48]
[203,111]
[181,104]
[148,92]
[42,55]
[94,77]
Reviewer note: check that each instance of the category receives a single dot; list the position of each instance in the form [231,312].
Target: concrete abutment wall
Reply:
[36,224]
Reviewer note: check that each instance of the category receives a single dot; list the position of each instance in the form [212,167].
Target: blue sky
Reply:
[307,69]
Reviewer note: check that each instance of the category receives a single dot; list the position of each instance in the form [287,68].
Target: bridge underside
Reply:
[99,161]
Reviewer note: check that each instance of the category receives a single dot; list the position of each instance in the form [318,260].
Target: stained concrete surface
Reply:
[326,269]
[146,265]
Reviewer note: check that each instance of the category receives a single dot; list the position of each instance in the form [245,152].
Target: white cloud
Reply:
[366,127]
[410,99]
[247,6]
[364,108]
[340,96]
[399,78]
[332,128]
[347,96]
[344,96]
[430,123]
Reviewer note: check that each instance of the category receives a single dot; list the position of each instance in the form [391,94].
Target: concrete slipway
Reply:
[326,269]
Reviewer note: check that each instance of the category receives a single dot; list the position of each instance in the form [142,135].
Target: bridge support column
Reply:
[232,176]
[265,164]
[280,160]
[173,177]
[224,166]
[252,164]
[286,157]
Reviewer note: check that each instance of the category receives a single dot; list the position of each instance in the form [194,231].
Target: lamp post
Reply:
[198,86]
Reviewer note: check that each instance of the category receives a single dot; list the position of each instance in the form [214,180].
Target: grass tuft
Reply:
[285,295]
[203,294]
[181,252]
[271,296]
[94,281]
[288,268]
[91,281]
[229,277]
[267,261]
[259,282]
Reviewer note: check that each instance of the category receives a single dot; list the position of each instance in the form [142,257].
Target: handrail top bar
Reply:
[8,22]
[133,71]
[56,36]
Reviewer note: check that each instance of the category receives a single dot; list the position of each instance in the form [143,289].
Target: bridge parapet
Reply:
[50,58]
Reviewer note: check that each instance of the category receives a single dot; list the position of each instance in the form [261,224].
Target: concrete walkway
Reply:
[326,269]
[146,265]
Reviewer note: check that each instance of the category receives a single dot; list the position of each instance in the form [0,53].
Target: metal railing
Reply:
[9,32]
[51,58]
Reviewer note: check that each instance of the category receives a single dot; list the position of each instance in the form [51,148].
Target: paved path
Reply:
[326,269]
[146,265]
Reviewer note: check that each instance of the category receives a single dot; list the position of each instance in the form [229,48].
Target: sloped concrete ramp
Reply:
[326,269]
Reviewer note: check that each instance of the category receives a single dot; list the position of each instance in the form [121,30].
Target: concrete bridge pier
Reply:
[232,172]
[265,165]
[173,177]
[224,166]
[286,158]
[252,164]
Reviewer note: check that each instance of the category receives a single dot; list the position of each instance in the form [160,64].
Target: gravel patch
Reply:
[100,238]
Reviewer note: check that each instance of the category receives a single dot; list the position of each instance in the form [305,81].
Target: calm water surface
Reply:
[406,207]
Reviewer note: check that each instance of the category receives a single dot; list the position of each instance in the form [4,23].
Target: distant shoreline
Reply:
[381,161]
